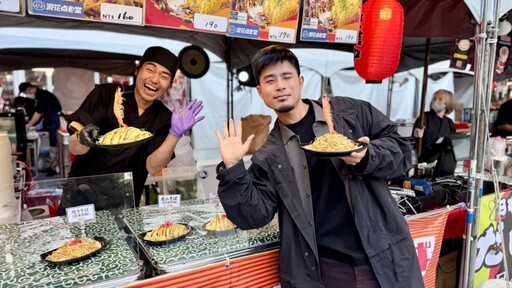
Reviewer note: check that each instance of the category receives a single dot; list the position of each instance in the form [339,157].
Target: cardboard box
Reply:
[446,275]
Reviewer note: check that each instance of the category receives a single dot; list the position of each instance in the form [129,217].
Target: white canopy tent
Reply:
[316,64]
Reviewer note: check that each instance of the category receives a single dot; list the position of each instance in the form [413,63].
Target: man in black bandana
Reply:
[141,109]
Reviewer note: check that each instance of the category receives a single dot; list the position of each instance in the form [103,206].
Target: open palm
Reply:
[232,149]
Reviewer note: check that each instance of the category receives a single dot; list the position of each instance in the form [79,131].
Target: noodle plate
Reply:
[332,142]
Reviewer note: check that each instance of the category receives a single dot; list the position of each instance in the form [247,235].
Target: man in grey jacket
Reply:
[338,223]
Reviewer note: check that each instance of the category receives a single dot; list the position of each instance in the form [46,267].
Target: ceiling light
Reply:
[246,77]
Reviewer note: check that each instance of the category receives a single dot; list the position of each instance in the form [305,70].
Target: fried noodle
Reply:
[332,142]
[74,249]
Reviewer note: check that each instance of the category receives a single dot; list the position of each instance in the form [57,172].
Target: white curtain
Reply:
[71,86]
[348,83]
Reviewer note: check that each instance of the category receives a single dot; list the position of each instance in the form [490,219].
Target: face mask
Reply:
[438,107]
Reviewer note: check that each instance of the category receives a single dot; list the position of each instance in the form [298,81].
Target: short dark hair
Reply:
[271,55]
[24,86]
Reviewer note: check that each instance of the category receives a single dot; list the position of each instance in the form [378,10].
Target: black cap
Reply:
[161,56]
[24,86]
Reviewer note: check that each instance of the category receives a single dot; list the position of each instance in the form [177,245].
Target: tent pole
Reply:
[424,91]
[485,48]
[390,96]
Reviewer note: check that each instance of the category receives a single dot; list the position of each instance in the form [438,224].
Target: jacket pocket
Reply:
[397,266]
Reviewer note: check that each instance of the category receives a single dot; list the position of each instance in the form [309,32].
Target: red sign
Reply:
[427,233]
[200,15]
[272,20]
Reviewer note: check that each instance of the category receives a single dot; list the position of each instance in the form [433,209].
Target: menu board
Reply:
[114,11]
[272,20]
[201,15]
[331,21]
[14,7]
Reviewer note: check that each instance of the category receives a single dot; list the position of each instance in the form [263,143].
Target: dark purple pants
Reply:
[338,274]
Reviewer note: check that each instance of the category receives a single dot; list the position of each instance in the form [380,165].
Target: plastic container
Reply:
[508,142]
[496,148]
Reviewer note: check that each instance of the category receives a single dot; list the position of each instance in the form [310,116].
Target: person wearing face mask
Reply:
[141,109]
[436,123]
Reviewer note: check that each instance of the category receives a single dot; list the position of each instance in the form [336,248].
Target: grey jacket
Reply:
[252,197]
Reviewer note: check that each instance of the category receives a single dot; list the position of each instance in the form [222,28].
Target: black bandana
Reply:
[161,56]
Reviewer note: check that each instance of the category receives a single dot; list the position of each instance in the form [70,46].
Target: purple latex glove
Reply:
[182,121]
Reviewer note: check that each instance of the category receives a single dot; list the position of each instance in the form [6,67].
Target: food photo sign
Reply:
[331,21]
[271,20]
[201,15]
[114,11]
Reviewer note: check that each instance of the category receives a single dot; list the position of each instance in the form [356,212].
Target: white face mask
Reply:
[438,107]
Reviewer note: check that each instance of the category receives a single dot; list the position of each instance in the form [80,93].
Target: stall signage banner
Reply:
[169,201]
[503,55]
[489,259]
[200,15]
[13,6]
[57,8]
[331,21]
[81,213]
[115,11]
[427,233]
[461,51]
[271,20]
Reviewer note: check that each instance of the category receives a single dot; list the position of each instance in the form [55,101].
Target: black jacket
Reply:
[252,197]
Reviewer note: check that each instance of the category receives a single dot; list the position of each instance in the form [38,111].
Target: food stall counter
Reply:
[21,245]
[200,247]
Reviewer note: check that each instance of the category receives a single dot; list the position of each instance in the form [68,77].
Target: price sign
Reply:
[169,201]
[213,198]
[210,23]
[121,14]
[81,213]
[281,34]
[345,36]
[10,5]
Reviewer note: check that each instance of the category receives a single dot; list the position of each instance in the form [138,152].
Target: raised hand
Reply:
[184,120]
[232,150]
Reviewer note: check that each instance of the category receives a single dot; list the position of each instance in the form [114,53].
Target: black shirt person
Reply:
[48,108]
[503,124]
[27,103]
[142,109]
[436,123]
[338,224]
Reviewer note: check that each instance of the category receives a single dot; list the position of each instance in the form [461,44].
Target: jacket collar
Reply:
[287,134]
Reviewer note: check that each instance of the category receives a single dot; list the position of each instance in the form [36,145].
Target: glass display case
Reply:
[127,257]
[22,244]
[200,246]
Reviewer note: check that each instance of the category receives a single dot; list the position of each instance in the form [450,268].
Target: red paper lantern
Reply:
[377,51]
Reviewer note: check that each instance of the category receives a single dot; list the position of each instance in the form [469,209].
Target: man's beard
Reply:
[285,108]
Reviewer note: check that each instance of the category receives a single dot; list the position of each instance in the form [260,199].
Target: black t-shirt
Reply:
[26,103]
[336,234]
[97,109]
[504,117]
[435,127]
[47,103]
